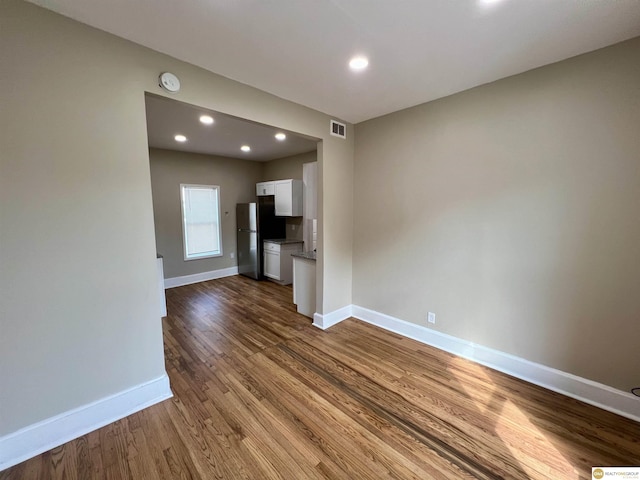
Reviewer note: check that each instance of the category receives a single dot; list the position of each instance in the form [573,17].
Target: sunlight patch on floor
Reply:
[511,424]
[546,459]
[463,369]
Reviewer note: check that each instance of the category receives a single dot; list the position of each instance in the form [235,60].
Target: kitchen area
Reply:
[268,250]
[263,183]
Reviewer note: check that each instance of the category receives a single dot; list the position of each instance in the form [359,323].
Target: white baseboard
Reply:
[199,277]
[330,319]
[588,391]
[52,432]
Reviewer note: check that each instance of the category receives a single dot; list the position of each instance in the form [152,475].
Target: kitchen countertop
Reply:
[305,255]
[283,241]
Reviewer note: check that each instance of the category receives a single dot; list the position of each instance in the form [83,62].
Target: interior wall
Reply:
[511,211]
[78,295]
[236,179]
[287,167]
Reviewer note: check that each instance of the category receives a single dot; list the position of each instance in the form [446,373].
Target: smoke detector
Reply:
[169,82]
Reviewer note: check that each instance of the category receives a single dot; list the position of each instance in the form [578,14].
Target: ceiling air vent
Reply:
[338,129]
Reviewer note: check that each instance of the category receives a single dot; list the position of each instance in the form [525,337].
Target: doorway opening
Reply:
[194,146]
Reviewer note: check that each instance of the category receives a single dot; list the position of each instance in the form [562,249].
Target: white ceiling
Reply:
[167,117]
[419,50]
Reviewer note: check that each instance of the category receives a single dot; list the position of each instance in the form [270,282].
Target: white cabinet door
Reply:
[283,198]
[272,264]
[288,198]
[265,188]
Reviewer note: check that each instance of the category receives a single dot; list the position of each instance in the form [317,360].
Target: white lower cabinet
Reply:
[272,264]
[163,300]
[278,264]
[304,285]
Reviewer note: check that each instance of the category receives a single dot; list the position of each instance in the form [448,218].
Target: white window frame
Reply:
[216,190]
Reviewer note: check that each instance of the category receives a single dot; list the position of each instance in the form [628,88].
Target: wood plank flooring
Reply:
[261,394]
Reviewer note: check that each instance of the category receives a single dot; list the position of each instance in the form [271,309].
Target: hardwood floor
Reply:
[261,394]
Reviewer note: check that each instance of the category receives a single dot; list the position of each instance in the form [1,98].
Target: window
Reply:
[201,221]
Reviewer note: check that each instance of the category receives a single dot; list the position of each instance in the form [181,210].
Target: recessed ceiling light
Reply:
[280,136]
[206,119]
[180,138]
[487,3]
[358,63]
[245,148]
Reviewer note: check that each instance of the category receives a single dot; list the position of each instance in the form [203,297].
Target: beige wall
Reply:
[287,167]
[512,212]
[236,179]
[78,297]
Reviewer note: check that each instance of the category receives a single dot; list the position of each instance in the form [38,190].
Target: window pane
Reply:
[201,239]
[201,226]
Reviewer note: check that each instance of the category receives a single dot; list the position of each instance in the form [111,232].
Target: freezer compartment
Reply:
[246,216]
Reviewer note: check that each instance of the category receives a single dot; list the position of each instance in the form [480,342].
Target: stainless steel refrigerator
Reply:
[256,222]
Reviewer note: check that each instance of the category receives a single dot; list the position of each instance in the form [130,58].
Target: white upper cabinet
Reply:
[265,188]
[288,196]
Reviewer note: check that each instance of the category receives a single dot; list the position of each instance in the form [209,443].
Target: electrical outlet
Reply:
[431,317]
[293,227]
[232,255]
